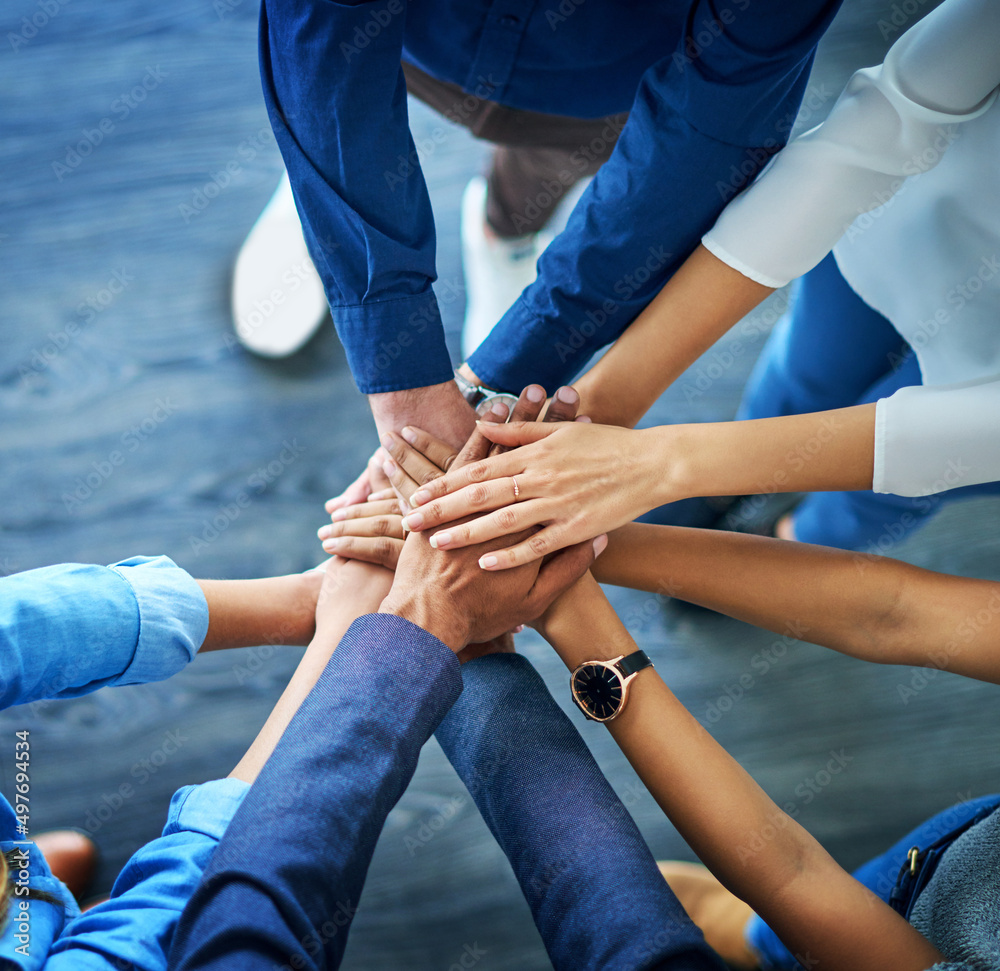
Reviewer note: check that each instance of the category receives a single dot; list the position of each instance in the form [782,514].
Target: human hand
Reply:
[440,408]
[575,479]
[349,588]
[372,530]
[446,595]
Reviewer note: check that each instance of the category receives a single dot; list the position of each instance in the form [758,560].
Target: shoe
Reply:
[71,856]
[278,301]
[721,916]
[496,270]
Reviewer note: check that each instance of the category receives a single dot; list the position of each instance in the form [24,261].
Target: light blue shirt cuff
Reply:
[173,618]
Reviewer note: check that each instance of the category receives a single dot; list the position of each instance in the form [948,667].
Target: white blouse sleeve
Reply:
[931,439]
[891,122]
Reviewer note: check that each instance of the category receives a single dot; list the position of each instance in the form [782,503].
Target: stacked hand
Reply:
[446,593]
[574,480]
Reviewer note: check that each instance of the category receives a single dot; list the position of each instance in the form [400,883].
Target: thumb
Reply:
[516,432]
[561,571]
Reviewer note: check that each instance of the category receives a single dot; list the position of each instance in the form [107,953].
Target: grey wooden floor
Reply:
[75,381]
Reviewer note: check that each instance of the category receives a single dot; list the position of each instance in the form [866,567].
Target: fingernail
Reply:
[409,435]
[535,394]
[419,498]
[440,540]
[406,528]
[331,545]
[386,441]
[488,562]
[389,468]
[518,629]
[499,409]
[567,395]
[600,544]
[414,521]
[323,531]
[338,514]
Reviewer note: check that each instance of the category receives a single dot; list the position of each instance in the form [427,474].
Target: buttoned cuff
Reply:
[393,345]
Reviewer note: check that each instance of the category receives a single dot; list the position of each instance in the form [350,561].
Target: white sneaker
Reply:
[278,301]
[496,270]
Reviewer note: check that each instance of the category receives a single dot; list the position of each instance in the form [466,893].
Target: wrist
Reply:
[669,454]
[431,615]
[439,409]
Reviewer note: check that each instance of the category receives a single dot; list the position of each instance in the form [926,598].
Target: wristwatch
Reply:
[600,688]
[482,398]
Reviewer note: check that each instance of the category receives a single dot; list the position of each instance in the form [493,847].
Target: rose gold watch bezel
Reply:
[609,663]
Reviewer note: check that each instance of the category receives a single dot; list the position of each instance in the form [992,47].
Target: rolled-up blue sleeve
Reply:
[704,121]
[135,928]
[70,629]
[336,98]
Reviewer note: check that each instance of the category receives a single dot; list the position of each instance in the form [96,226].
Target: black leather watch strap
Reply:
[635,661]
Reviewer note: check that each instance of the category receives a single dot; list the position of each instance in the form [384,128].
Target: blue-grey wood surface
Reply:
[152,373]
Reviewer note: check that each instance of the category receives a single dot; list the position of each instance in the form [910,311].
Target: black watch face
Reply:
[598,689]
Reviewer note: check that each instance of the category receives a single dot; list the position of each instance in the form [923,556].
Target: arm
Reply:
[701,125]
[593,887]
[70,629]
[891,122]
[929,439]
[570,476]
[815,907]
[370,234]
[287,877]
[870,607]
[698,305]
[135,926]
[284,884]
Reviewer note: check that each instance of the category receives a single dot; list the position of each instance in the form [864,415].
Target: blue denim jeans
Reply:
[831,350]
[878,875]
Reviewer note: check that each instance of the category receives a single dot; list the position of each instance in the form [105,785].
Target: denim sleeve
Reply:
[593,887]
[703,123]
[70,629]
[134,929]
[339,115]
[284,884]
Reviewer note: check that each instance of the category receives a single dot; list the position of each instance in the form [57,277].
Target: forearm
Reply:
[521,759]
[869,607]
[284,883]
[350,591]
[821,452]
[274,610]
[759,852]
[700,303]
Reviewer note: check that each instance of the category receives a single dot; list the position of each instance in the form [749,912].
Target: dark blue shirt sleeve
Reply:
[593,886]
[336,98]
[284,883]
[704,122]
